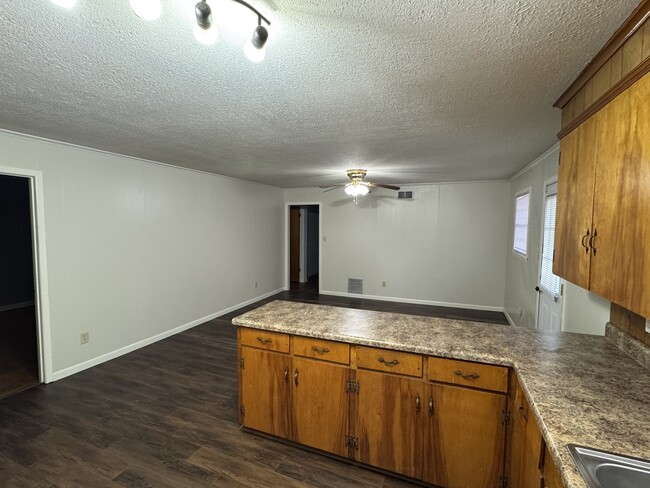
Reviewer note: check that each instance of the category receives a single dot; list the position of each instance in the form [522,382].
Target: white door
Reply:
[549,316]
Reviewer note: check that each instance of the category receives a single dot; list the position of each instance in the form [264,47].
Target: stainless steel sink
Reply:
[602,469]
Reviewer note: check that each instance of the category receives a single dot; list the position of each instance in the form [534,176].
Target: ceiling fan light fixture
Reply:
[356,189]
[146,9]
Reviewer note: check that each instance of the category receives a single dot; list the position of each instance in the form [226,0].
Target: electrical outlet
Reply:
[647,326]
[383,284]
[84,338]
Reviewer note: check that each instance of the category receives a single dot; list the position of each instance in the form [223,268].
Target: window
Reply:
[522,202]
[547,279]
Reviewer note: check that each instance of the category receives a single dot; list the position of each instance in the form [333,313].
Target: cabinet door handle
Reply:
[430,406]
[467,376]
[295,376]
[394,362]
[584,238]
[286,374]
[592,239]
[522,412]
[417,403]
[320,350]
[264,341]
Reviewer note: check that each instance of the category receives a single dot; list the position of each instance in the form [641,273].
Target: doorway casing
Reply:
[287,210]
[41,298]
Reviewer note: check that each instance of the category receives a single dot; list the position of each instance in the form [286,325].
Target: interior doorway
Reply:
[304,246]
[550,288]
[19,342]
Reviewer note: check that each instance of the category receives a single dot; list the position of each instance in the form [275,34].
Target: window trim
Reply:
[524,191]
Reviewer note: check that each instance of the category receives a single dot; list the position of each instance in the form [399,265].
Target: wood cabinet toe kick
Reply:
[441,421]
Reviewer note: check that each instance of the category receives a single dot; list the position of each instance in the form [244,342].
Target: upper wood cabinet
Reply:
[603,220]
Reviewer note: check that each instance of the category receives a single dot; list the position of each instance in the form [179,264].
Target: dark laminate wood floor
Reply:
[162,416]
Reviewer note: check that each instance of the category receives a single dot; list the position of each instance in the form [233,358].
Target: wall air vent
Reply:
[404,194]
[355,285]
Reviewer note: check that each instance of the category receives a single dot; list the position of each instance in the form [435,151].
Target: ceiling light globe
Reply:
[362,190]
[350,190]
[65,3]
[146,9]
[206,36]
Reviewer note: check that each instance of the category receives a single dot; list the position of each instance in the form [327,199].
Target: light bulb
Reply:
[146,9]
[65,3]
[362,190]
[206,36]
[254,54]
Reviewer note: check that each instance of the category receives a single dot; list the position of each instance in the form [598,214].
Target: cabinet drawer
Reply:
[465,373]
[263,339]
[309,347]
[389,361]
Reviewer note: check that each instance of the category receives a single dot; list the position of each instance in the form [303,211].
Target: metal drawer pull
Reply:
[320,350]
[286,375]
[295,376]
[430,406]
[417,403]
[591,241]
[394,362]
[470,376]
[584,238]
[264,341]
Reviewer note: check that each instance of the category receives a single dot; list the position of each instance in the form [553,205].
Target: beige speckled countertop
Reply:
[582,389]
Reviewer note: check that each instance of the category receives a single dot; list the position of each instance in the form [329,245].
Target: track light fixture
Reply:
[206,33]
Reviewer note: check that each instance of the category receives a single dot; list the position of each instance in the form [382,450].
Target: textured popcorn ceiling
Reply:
[414,91]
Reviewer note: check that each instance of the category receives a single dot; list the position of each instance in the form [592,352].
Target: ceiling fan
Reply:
[357,187]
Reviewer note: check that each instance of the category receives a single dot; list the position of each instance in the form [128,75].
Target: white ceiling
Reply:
[414,91]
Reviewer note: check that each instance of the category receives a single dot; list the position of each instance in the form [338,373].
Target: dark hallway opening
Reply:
[18,330]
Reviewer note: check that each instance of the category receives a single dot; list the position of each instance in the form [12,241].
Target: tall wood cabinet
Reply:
[603,219]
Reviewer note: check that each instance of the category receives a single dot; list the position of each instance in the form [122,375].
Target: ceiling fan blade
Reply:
[331,187]
[388,187]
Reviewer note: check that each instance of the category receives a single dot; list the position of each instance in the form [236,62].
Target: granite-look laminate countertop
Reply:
[582,389]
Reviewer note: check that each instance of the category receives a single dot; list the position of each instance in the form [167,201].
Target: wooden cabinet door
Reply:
[575,203]
[320,405]
[526,445]
[621,260]
[265,391]
[465,438]
[388,422]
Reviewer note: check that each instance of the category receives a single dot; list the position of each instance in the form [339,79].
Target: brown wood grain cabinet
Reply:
[438,420]
[526,444]
[320,405]
[389,422]
[603,234]
[265,390]
[464,438]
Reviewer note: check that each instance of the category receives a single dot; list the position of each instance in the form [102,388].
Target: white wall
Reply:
[583,311]
[446,246]
[136,249]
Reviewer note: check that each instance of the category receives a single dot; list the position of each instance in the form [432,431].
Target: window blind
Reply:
[548,280]
[521,223]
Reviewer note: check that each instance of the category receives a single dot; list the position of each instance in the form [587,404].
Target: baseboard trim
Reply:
[15,306]
[77,368]
[512,322]
[468,306]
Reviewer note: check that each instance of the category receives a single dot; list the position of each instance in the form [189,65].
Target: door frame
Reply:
[41,287]
[549,181]
[287,217]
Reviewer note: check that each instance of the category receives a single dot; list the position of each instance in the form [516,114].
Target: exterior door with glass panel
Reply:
[549,316]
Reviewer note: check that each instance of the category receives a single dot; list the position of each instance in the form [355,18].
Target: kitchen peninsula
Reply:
[580,389]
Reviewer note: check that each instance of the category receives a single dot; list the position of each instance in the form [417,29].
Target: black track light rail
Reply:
[260,17]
